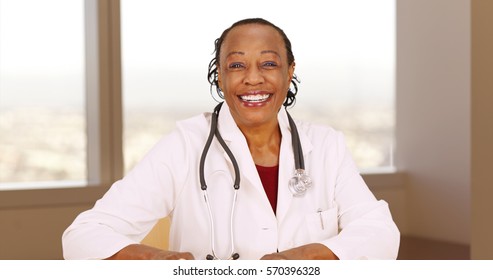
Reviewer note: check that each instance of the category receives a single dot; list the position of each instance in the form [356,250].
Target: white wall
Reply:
[433,116]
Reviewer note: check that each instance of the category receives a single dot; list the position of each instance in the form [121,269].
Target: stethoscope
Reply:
[298,184]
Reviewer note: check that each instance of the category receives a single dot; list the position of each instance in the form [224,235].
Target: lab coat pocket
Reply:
[322,225]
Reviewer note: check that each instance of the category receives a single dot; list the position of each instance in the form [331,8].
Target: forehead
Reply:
[253,37]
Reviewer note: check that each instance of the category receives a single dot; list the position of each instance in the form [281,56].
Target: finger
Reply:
[274,256]
[186,256]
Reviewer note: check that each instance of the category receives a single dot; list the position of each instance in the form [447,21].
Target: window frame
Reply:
[103,115]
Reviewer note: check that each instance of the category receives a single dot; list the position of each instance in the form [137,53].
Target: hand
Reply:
[172,255]
[274,256]
[314,251]
[144,252]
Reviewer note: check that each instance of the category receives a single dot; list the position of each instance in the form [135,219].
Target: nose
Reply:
[253,76]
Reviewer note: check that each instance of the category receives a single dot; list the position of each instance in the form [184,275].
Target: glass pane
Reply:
[345,57]
[42,88]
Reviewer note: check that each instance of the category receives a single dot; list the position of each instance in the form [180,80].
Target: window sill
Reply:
[71,193]
[58,194]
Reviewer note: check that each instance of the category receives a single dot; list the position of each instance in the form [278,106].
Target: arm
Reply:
[144,252]
[313,251]
[132,206]
[366,228]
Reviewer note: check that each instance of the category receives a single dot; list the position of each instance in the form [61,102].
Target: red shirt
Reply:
[269,177]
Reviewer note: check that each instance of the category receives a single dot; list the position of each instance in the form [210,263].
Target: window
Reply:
[42,93]
[345,56]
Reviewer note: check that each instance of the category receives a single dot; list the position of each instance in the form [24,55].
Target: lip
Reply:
[255,98]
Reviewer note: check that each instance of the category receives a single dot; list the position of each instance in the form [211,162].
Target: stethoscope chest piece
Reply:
[299,183]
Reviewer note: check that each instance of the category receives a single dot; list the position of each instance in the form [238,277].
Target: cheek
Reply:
[230,81]
[283,81]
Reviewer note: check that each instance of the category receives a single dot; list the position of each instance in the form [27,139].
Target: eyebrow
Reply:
[271,51]
[262,52]
[235,52]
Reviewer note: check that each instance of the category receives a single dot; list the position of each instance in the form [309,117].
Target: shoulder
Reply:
[194,130]
[324,140]
[198,123]
[319,133]
[186,134]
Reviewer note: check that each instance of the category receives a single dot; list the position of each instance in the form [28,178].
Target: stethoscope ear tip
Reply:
[234,256]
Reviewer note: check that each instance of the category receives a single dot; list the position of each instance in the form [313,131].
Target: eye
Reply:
[235,65]
[269,64]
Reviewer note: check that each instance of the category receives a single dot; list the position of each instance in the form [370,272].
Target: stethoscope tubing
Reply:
[215,132]
[213,243]
[299,162]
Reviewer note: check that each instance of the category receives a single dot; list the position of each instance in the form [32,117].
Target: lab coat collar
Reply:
[230,131]
[227,125]
[236,141]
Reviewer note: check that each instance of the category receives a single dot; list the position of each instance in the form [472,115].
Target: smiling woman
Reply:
[279,188]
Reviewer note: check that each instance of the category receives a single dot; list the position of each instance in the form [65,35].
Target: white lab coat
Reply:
[339,210]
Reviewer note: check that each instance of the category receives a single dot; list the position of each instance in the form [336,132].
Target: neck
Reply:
[264,143]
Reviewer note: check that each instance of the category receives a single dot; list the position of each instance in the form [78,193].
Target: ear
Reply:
[219,80]
[291,71]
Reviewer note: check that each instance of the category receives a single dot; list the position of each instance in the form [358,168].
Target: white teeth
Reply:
[255,98]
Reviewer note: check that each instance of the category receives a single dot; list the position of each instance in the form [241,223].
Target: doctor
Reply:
[231,181]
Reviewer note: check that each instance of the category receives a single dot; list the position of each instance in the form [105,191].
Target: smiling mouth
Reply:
[254,98]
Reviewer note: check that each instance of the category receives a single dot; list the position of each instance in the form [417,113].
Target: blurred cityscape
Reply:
[42,145]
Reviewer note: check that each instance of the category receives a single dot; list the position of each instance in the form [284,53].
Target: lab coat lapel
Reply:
[285,199]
